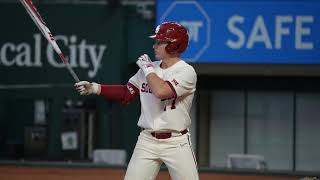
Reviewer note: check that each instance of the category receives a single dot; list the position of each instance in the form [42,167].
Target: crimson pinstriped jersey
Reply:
[168,114]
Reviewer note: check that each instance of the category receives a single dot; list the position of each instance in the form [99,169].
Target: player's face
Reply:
[160,49]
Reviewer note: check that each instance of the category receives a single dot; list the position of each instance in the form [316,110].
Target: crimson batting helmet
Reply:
[175,34]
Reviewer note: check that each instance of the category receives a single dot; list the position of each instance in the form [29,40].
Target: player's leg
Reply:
[144,163]
[179,159]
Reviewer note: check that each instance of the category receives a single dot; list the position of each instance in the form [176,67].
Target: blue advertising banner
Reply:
[247,32]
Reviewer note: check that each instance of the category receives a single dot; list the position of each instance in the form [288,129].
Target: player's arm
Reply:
[160,88]
[123,94]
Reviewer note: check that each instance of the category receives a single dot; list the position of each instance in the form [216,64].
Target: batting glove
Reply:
[145,64]
[86,88]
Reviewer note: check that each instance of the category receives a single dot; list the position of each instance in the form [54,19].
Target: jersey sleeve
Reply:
[135,79]
[183,82]
[120,93]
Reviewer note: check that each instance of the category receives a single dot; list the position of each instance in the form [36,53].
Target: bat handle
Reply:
[73,74]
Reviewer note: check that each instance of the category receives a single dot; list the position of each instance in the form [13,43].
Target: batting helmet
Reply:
[175,34]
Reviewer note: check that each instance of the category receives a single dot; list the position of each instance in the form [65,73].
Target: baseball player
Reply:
[166,89]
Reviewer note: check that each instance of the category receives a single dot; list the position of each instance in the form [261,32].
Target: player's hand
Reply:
[145,64]
[87,88]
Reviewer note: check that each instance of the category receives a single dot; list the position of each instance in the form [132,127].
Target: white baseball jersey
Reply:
[169,114]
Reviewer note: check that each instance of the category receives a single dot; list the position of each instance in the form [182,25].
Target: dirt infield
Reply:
[66,173]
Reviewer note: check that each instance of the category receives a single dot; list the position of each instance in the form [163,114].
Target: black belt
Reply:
[165,135]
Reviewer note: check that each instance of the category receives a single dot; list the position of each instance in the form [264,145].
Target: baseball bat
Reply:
[37,19]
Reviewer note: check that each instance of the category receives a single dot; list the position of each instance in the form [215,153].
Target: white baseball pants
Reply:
[150,153]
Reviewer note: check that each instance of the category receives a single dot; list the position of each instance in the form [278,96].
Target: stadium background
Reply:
[262,109]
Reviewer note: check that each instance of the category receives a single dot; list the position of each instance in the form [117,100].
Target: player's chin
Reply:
[157,56]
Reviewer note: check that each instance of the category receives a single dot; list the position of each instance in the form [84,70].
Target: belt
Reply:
[166,135]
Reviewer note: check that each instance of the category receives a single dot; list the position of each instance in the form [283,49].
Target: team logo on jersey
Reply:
[145,88]
[175,82]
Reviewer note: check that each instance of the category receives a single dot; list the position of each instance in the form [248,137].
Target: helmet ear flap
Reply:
[172,47]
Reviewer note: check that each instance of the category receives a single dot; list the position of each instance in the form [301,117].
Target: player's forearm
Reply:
[120,93]
[159,87]
[112,92]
